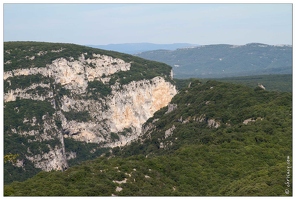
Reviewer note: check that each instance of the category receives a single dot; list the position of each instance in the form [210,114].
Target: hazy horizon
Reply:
[127,43]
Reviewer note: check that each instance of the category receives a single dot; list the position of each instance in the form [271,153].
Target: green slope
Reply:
[234,159]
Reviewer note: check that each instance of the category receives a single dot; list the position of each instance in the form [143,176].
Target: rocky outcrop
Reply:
[261,86]
[212,123]
[247,121]
[171,108]
[169,132]
[52,160]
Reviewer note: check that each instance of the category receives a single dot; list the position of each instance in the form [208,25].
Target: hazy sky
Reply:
[155,23]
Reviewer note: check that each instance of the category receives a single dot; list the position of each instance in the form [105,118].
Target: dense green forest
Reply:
[228,140]
[272,82]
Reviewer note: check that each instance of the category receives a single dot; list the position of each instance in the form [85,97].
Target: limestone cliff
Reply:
[88,97]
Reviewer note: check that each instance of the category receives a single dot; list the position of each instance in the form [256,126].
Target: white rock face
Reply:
[129,107]
[75,74]
[53,160]
[169,132]
[137,102]
[22,93]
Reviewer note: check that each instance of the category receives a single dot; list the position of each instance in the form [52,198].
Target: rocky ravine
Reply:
[122,112]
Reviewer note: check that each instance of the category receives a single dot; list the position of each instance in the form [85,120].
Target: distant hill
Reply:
[222,60]
[134,48]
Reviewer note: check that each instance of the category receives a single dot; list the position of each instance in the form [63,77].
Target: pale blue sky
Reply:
[99,24]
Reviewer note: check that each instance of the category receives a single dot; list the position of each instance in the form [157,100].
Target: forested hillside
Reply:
[213,139]
[272,82]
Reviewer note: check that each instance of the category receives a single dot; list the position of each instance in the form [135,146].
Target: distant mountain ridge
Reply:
[134,48]
[224,60]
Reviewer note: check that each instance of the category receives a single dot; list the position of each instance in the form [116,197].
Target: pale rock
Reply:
[70,155]
[213,123]
[169,132]
[7,62]
[120,182]
[19,163]
[25,120]
[59,50]
[22,93]
[248,120]
[261,86]
[171,108]
[201,118]
[53,160]
[9,96]
[40,53]
[186,120]
[118,189]
[155,120]
[251,120]
[128,174]
[8,74]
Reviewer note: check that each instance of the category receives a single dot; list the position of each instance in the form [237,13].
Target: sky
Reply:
[195,23]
